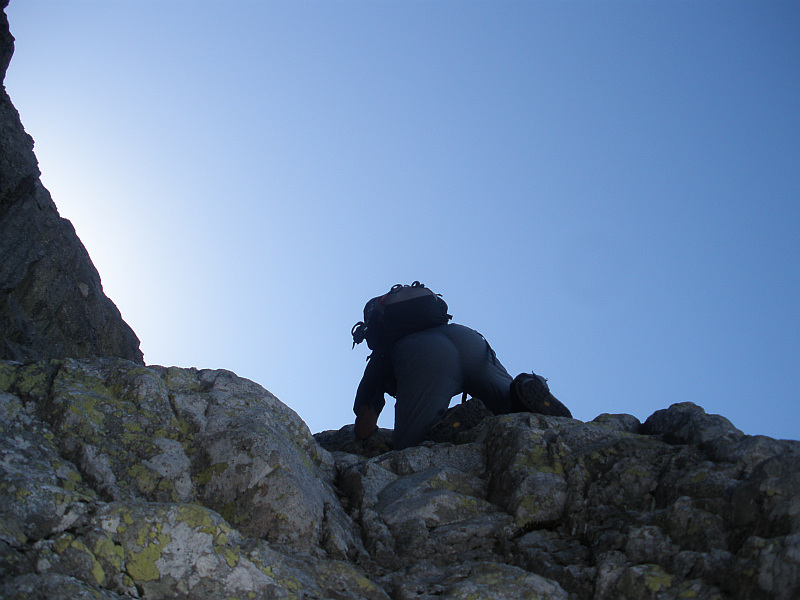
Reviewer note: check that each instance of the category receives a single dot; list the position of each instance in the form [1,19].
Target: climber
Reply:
[424,369]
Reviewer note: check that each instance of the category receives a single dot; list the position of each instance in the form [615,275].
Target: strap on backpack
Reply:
[358,332]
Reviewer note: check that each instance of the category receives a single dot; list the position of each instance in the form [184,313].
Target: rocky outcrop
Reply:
[52,304]
[124,481]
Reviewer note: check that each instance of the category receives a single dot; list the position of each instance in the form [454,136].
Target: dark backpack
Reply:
[402,310]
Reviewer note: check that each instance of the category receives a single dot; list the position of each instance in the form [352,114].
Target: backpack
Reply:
[402,310]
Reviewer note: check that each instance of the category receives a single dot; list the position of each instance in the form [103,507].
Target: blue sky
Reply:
[608,191]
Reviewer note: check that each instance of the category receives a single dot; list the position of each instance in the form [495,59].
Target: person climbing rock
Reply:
[423,361]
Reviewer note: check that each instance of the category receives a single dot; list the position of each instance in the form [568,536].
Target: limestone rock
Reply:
[52,303]
[155,482]
[599,510]
[170,435]
[124,481]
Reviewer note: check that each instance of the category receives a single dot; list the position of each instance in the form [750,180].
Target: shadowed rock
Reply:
[52,303]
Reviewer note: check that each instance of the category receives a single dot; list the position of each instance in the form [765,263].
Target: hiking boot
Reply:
[530,392]
[461,417]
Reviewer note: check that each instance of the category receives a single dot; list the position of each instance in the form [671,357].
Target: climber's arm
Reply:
[366,422]
[369,399]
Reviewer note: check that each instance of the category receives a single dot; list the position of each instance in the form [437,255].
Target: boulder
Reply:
[134,481]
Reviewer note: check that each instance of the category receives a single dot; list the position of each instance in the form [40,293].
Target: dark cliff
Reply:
[52,303]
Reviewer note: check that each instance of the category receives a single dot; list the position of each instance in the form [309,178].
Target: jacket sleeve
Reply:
[372,387]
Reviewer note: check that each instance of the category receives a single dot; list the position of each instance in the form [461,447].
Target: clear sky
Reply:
[608,191]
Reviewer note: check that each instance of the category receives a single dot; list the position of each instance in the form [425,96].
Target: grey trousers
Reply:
[434,365]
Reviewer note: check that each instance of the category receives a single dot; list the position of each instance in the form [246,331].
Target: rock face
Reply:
[124,481]
[118,480]
[51,301]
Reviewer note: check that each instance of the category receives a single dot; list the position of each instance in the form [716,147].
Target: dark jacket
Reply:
[378,379]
